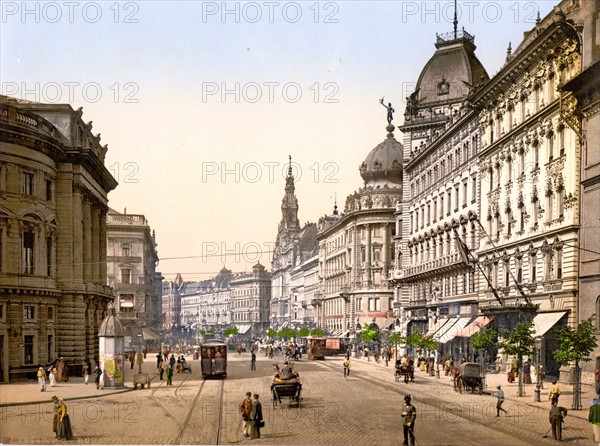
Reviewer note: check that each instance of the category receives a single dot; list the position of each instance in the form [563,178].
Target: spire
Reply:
[335,208]
[455,20]
[509,51]
[289,205]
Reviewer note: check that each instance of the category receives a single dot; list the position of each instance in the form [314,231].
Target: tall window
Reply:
[533,268]
[49,256]
[449,198]
[465,193]
[27,183]
[28,349]
[549,206]
[28,252]
[456,198]
[125,250]
[560,201]
[519,266]
[48,190]
[126,276]
[29,312]
[536,155]
[473,189]
[559,263]
[550,147]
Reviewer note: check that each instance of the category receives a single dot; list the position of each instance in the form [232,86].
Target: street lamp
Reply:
[538,353]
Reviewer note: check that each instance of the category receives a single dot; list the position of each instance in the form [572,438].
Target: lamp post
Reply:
[538,349]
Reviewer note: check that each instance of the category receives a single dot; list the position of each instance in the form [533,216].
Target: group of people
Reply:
[252,417]
[61,424]
[287,372]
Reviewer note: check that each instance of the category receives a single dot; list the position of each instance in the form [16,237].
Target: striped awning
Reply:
[473,327]
[438,325]
[243,328]
[450,334]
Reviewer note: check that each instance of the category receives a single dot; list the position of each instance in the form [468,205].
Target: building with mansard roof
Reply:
[356,248]
[250,301]
[294,245]
[53,203]
[437,290]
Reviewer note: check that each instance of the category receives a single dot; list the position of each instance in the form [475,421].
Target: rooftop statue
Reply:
[390,111]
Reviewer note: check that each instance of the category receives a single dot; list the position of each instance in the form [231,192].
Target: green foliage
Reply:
[424,342]
[483,339]
[271,333]
[368,334]
[520,342]
[317,332]
[287,333]
[211,331]
[202,332]
[577,344]
[396,338]
[303,332]
[230,331]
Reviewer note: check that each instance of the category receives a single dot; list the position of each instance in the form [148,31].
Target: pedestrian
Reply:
[52,375]
[500,401]
[540,376]
[556,416]
[64,424]
[409,412]
[527,372]
[347,365]
[132,358]
[140,361]
[161,369]
[169,375]
[554,392]
[246,412]
[97,375]
[257,418]
[145,352]
[56,418]
[172,361]
[86,372]
[158,359]
[41,376]
[65,372]
[252,360]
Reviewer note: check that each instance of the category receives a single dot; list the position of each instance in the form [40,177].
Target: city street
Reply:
[362,410]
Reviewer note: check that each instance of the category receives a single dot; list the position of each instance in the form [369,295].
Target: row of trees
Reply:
[574,346]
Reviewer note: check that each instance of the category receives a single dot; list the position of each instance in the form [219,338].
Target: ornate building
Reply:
[304,283]
[293,246]
[250,300]
[586,90]
[530,178]
[171,302]
[356,248]
[53,205]
[437,289]
[132,259]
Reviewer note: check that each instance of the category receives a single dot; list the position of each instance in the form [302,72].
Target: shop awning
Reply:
[438,325]
[284,325]
[336,333]
[150,335]
[473,327]
[543,322]
[243,328]
[450,334]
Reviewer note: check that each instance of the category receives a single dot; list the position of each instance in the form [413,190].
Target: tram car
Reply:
[315,348]
[213,359]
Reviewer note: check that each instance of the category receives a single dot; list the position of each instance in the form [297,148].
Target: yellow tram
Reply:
[213,359]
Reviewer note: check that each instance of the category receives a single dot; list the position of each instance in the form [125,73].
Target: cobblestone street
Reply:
[363,410]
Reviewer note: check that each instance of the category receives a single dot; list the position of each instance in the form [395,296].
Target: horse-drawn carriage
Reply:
[469,377]
[405,371]
[291,388]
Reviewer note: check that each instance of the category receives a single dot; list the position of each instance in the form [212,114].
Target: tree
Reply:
[303,332]
[369,334]
[271,333]
[519,342]
[483,339]
[231,331]
[576,345]
[317,333]
[287,333]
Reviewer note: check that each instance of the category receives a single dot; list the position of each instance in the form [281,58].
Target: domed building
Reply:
[356,247]
[436,286]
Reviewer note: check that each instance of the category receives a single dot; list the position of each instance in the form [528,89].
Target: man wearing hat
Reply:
[409,412]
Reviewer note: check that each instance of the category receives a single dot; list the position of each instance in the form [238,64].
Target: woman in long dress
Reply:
[41,376]
[55,420]
[52,375]
[64,424]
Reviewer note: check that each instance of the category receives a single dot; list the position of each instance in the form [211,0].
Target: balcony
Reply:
[121,259]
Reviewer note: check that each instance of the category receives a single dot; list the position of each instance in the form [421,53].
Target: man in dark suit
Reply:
[257,418]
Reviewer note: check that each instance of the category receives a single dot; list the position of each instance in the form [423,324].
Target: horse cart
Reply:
[291,390]
[470,378]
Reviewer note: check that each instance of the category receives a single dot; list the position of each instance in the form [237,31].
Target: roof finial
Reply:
[290,166]
[509,51]
[538,19]
[335,211]
[455,20]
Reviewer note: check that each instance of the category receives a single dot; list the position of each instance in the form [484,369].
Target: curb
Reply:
[73,398]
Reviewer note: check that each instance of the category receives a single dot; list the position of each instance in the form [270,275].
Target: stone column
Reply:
[368,255]
[77,236]
[87,239]
[102,248]
[96,215]
[385,252]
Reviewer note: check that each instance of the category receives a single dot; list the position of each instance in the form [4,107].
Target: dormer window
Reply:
[443,88]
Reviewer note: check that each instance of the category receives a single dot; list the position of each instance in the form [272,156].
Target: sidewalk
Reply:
[511,391]
[23,393]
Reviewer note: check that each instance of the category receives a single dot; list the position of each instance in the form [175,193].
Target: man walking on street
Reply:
[556,416]
[97,375]
[253,360]
[257,418]
[409,412]
[500,401]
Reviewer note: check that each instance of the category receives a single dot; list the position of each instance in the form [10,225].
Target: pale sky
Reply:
[201,103]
